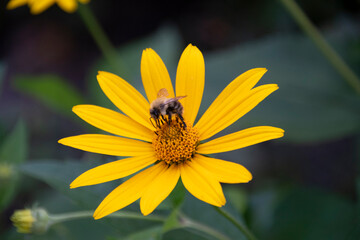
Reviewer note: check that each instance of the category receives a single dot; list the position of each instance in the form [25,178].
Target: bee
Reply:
[164,106]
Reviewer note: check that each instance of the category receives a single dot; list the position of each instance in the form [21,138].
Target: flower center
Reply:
[175,144]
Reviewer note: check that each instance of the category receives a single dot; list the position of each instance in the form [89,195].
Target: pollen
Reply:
[175,144]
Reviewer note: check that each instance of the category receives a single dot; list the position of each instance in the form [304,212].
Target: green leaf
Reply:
[177,196]
[14,147]
[172,222]
[8,190]
[185,233]
[13,151]
[304,213]
[206,214]
[59,175]
[153,233]
[51,90]
[312,104]
[238,198]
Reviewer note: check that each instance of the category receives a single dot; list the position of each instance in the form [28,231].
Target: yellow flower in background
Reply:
[38,6]
[34,220]
[169,148]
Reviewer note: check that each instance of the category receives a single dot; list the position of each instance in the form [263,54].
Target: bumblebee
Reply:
[164,106]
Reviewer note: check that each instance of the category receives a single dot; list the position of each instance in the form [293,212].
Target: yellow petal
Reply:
[129,191]
[202,184]
[38,6]
[240,139]
[234,110]
[69,6]
[190,81]
[154,75]
[125,97]
[113,170]
[224,171]
[113,122]
[109,145]
[159,189]
[15,3]
[238,89]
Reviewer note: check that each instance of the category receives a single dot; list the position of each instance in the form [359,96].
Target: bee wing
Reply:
[162,93]
[169,100]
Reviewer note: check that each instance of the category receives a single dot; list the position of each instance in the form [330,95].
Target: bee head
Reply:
[154,113]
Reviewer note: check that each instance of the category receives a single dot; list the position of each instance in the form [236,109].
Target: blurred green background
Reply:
[306,185]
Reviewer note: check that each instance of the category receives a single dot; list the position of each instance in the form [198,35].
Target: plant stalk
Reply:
[236,223]
[100,38]
[314,34]
[89,214]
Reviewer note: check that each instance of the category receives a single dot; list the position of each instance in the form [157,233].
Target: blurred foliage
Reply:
[313,104]
[2,71]
[51,90]
[166,42]
[59,174]
[13,152]
[312,214]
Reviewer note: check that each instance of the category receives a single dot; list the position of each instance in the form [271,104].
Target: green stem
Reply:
[326,49]
[89,214]
[99,36]
[237,224]
[189,223]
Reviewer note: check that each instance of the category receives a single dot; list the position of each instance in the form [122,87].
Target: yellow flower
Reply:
[169,151]
[38,6]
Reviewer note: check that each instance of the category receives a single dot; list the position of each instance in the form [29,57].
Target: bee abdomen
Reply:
[175,107]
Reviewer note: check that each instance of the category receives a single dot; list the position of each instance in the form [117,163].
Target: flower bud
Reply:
[6,171]
[34,220]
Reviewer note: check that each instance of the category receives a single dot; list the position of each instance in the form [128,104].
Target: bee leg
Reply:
[169,118]
[152,123]
[182,120]
[158,122]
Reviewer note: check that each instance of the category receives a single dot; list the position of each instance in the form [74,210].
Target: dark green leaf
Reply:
[59,175]
[238,197]
[207,215]
[177,196]
[8,189]
[172,222]
[51,90]
[313,102]
[312,214]
[185,233]
[153,233]
[13,149]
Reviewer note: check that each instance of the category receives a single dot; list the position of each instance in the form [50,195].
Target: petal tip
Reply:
[76,108]
[148,51]
[145,212]
[96,216]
